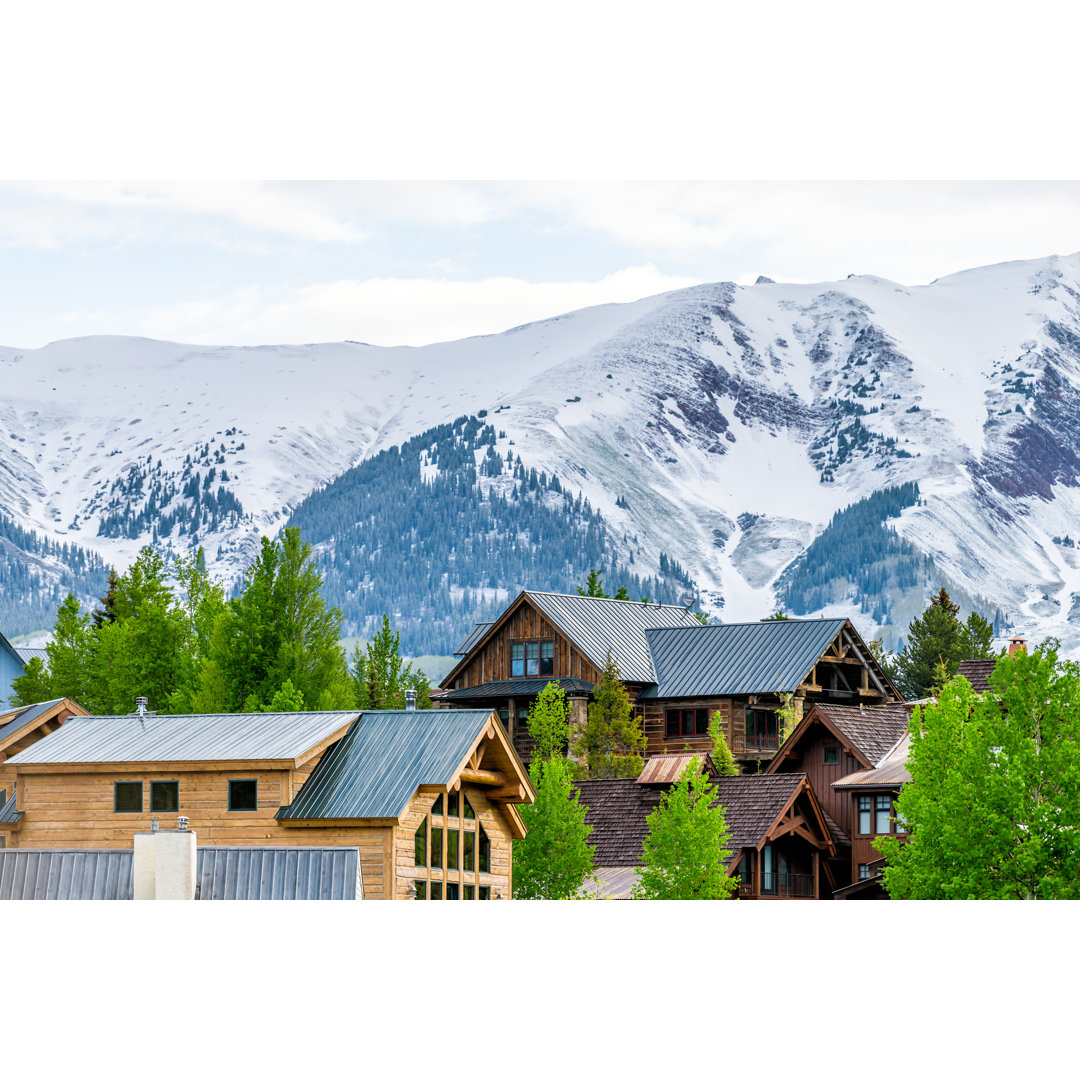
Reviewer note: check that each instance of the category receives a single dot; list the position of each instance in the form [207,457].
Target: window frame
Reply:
[532,658]
[693,718]
[883,805]
[859,811]
[832,749]
[128,784]
[154,784]
[243,809]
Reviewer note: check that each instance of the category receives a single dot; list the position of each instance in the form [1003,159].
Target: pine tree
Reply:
[594,585]
[107,611]
[287,699]
[612,741]
[554,859]
[380,676]
[685,852]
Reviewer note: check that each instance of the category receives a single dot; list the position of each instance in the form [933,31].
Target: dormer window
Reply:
[532,658]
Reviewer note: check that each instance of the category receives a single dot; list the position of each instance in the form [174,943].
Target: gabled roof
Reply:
[891,771]
[199,737]
[617,809]
[977,672]
[376,769]
[596,624]
[474,635]
[667,768]
[26,655]
[17,722]
[507,688]
[768,657]
[869,733]
[221,874]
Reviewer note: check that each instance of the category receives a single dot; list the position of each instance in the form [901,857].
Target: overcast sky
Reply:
[409,263]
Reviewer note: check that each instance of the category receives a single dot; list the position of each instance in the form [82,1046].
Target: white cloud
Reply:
[381,311]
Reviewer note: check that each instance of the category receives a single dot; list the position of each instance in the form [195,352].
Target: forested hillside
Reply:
[444,529]
[36,574]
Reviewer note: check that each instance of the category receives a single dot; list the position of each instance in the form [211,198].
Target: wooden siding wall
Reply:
[837,804]
[488,814]
[75,810]
[491,662]
[862,847]
[654,724]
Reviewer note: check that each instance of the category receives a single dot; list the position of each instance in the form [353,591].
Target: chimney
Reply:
[140,706]
[410,700]
[1017,645]
[165,864]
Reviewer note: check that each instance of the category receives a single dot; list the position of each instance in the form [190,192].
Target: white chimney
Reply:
[165,865]
[410,700]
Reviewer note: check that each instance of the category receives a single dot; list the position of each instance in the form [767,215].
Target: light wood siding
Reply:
[491,661]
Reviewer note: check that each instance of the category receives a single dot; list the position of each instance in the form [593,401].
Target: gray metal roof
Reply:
[26,655]
[221,874]
[65,875]
[26,716]
[384,757]
[475,634]
[227,873]
[8,814]
[199,737]
[596,624]
[767,657]
[506,688]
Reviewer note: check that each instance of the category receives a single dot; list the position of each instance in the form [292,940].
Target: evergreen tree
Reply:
[380,676]
[686,849]
[993,804]
[287,699]
[594,585]
[723,760]
[612,741]
[938,637]
[107,611]
[554,858]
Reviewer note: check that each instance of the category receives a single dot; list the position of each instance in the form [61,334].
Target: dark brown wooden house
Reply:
[543,637]
[780,838]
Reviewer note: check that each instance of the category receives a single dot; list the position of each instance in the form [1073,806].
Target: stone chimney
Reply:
[1017,645]
[165,864]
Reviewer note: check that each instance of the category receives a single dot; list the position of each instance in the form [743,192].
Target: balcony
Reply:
[780,887]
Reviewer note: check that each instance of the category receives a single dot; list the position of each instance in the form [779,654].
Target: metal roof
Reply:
[892,771]
[199,737]
[26,655]
[27,715]
[221,874]
[598,624]
[228,873]
[475,634]
[766,657]
[668,768]
[505,688]
[8,814]
[65,875]
[384,757]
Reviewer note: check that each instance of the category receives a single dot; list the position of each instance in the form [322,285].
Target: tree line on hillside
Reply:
[187,648]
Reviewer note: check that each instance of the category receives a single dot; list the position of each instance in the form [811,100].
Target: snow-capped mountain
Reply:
[723,425]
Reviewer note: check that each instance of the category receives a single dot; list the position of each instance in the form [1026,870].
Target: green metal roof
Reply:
[766,657]
[383,758]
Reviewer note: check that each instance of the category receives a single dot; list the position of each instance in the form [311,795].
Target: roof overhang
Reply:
[494,628]
[63,705]
[795,826]
[805,724]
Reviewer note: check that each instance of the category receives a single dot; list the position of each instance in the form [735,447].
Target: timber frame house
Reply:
[427,797]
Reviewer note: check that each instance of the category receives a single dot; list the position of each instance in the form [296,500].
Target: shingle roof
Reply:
[474,635]
[221,874]
[872,731]
[977,672]
[597,624]
[505,688]
[617,809]
[766,657]
[384,757]
[22,717]
[201,737]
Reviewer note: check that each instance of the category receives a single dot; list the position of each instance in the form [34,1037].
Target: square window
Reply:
[243,794]
[164,796]
[470,892]
[452,891]
[831,752]
[127,797]
[864,871]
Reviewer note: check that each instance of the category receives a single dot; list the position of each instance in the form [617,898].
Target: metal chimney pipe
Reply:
[140,706]
[182,824]
[410,700]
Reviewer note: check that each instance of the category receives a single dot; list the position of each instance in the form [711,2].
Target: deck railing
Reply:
[788,886]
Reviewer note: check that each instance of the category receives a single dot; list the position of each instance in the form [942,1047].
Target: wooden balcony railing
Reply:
[788,886]
[756,744]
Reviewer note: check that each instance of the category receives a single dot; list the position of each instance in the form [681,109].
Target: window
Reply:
[452,805]
[768,870]
[864,815]
[532,658]
[883,814]
[485,850]
[468,813]
[832,753]
[901,824]
[436,847]
[127,797]
[470,892]
[420,888]
[517,658]
[436,807]
[243,794]
[452,890]
[452,849]
[420,845]
[687,722]
[436,890]
[864,871]
[468,860]
[164,796]
[485,892]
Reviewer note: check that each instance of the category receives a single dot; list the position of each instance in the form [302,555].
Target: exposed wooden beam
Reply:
[511,793]
[483,776]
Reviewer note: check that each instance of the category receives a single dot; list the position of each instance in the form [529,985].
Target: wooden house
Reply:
[543,637]
[745,671]
[781,840]
[426,796]
[11,667]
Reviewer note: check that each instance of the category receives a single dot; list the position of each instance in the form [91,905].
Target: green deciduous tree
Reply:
[937,636]
[993,805]
[723,761]
[686,850]
[554,858]
[380,676]
[287,699]
[611,742]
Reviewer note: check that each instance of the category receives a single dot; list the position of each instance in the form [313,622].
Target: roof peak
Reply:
[607,599]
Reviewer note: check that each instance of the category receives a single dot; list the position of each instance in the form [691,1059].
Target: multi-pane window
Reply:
[831,753]
[243,794]
[901,824]
[687,722]
[127,796]
[449,848]
[864,871]
[864,815]
[882,814]
[420,845]
[532,658]
[164,796]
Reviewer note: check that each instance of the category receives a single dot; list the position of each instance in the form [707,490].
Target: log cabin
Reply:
[780,838]
[428,797]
